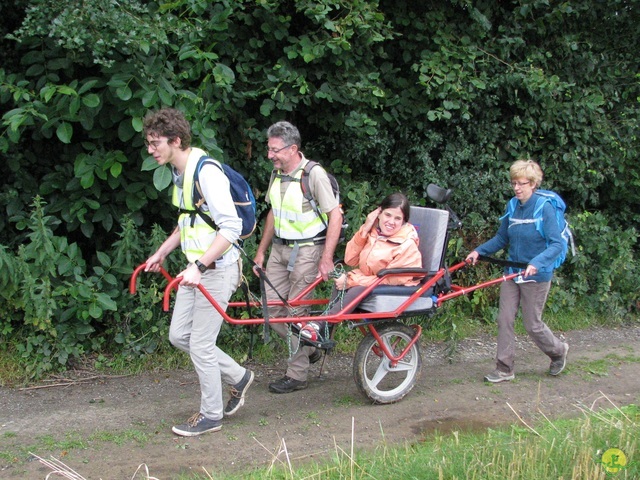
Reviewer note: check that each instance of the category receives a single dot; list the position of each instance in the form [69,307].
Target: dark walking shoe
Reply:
[197,425]
[558,364]
[238,392]
[497,376]
[287,385]
[315,356]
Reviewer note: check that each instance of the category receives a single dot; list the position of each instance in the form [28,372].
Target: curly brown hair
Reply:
[170,123]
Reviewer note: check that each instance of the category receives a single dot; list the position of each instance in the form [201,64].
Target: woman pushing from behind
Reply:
[529,290]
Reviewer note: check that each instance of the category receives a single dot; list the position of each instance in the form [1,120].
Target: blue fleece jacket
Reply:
[525,243]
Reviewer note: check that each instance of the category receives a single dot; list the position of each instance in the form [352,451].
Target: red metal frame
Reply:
[341,316]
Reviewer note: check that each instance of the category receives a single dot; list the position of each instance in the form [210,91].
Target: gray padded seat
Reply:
[431,225]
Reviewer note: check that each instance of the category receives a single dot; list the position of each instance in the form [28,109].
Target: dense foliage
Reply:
[388,95]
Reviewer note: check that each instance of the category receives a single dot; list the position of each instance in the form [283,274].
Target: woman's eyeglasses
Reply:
[519,184]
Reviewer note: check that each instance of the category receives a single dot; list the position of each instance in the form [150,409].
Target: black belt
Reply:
[302,242]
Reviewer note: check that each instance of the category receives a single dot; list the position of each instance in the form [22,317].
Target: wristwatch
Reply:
[201,266]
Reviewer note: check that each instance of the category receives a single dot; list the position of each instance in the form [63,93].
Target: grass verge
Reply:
[599,445]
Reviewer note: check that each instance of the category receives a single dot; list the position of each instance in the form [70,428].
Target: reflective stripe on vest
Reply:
[195,234]
[290,221]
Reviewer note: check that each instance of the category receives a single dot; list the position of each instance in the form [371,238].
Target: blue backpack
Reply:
[241,192]
[560,207]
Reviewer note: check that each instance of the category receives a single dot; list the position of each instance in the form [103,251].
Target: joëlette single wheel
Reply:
[374,373]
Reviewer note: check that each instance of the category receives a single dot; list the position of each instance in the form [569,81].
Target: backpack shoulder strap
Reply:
[511,207]
[306,189]
[304,181]
[198,196]
[540,201]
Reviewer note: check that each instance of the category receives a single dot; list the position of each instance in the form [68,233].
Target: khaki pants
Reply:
[289,285]
[531,297]
[195,325]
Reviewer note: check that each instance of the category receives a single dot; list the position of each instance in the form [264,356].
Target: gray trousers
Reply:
[195,325]
[349,295]
[289,284]
[531,297]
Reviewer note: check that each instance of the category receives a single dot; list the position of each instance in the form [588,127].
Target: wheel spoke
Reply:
[403,366]
[380,373]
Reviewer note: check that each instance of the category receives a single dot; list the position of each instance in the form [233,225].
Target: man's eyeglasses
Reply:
[278,150]
[519,184]
[153,144]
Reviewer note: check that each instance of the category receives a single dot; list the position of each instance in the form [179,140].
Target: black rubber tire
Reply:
[372,370]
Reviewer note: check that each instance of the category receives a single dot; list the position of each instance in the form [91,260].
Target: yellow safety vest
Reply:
[196,236]
[294,219]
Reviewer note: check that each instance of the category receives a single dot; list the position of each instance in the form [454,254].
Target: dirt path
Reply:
[104,417]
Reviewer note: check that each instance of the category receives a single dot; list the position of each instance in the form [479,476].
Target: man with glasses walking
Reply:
[302,243]
[212,262]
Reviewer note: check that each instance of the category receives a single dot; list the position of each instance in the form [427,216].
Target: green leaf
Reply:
[84,291]
[87,229]
[87,179]
[74,105]
[92,100]
[64,265]
[188,52]
[266,107]
[150,98]
[137,124]
[124,93]
[104,259]
[223,75]
[125,131]
[149,163]
[95,311]
[116,169]
[162,177]
[84,329]
[47,92]
[88,85]
[66,90]
[64,132]
[165,96]
[106,301]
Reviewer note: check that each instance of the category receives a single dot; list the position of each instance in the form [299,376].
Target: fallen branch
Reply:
[69,383]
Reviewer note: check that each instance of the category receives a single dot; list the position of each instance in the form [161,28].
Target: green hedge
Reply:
[388,95]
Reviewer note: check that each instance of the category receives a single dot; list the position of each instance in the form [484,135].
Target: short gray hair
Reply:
[285,131]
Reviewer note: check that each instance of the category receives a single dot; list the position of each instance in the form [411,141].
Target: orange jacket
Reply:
[375,253]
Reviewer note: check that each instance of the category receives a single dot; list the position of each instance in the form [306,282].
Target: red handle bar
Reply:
[134,277]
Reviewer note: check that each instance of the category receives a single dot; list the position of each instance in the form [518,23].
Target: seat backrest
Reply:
[431,224]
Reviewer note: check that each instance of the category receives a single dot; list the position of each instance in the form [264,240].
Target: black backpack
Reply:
[306,191]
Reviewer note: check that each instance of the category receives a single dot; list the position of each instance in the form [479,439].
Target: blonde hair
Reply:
[527,169]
